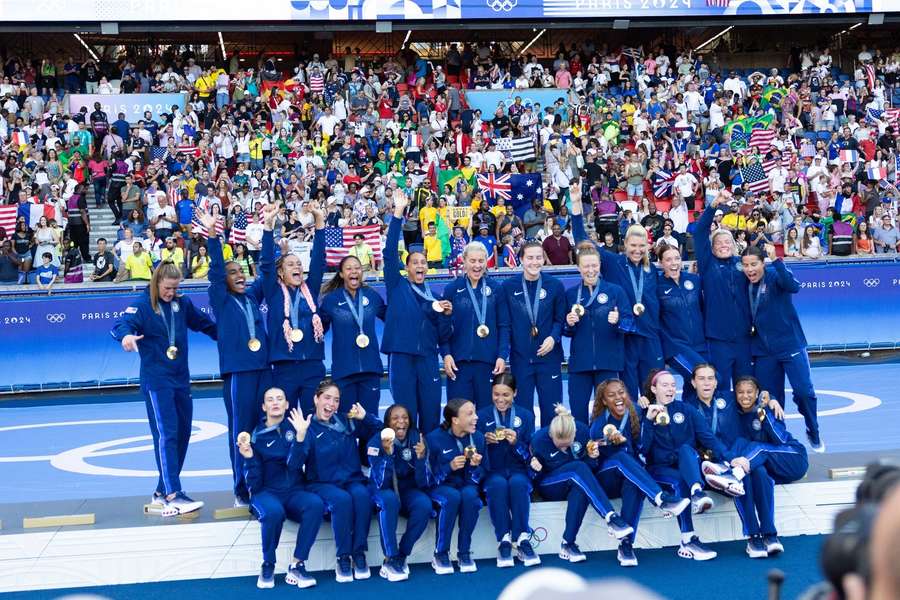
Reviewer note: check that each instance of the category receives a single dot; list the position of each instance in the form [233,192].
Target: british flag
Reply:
[662,183]
[495,186]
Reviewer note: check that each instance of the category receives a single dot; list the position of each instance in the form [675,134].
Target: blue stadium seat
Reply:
[824,135]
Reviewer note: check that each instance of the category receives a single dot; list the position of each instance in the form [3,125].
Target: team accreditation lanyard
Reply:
[532,309]
[247,310]
[357,309]
[480,311]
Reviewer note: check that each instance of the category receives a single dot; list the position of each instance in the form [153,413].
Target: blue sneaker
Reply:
[360,566]
[756,548]
[672,506]
[815,442]
[618,528]
[343,569]
[626,554]
[266,579]
[181,504]
[504,554]
[297,575]
[773,544]
[402,559]
[441,564]
[571,552]
[701,502]
[466,564]
[526,553]
[696,550]
[392,569]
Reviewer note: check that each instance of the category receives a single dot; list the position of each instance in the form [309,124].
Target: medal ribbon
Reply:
[593,296]
[169,325]
[358,312]
[480,312]
[247,310]
[532,310]
[636,286]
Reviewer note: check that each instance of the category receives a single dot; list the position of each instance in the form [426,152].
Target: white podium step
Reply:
[104,556]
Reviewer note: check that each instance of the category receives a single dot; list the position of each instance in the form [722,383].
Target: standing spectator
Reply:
[139,266]
[557,247]
[886,236]
[9,263]
[104,263]
[47,273]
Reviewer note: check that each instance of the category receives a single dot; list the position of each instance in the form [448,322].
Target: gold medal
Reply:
[500,434]
[353,413]
[296,335]
[437,307]
[638,309]
[534,331]
[578,309]
[362,340]
[662,419]
[172,352]
[591,446]
[254,345]
[483,331]
[761,413]
[243,438]
[609,430]
[470,452]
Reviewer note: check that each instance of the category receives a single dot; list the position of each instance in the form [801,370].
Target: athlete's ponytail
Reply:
[562,427]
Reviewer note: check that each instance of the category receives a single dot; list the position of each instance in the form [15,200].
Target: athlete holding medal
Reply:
[416,323]
[243,349]
[479,342]
[296,348]
[349,307]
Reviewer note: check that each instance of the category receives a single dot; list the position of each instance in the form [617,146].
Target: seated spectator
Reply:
[200,263]
[810,246]
[104,263]
[138,266]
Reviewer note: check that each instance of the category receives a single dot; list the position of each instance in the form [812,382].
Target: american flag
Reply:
[8,218]
[239,228]
[339,240]
[755,177]
[762,139]
[189,150]
[158,152]
[870,76]
[495,186]
[197,226]
[662,183]
[890,116]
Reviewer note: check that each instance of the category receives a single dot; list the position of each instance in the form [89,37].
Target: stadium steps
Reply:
[102,226]
[98,555]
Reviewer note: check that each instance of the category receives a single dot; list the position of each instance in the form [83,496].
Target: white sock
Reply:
[506,538]
[657,500]
[523,537]
[686,537]
[609,515]
[696,488]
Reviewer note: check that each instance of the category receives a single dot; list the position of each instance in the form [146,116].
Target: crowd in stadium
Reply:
[654,135]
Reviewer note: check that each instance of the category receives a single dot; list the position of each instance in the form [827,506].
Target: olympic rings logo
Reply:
[56,318]
[502,5]
[873,282]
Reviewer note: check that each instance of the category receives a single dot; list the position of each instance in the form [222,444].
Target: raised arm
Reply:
[317,255]
[392,244]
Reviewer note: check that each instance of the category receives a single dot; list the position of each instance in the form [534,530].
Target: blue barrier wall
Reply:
[63,341]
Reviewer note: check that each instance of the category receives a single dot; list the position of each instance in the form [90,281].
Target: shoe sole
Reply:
[701,507]
[505,563]
[757,553]
[725,485]
[441,570]
[343,578]
[690,555]
[572,559]
[621,533]
[172,511]
[710,468]
[265,585]
[300,583]
[627,563]
[775,550]
[393,578]
[469,569]
[679,508]
[529,562]
[362,574]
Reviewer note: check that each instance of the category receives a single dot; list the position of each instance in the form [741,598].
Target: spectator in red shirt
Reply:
[557,247]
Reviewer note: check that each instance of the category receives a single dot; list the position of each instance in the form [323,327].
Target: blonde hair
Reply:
[474,247]
[166,270]
[639,231]
[562,427]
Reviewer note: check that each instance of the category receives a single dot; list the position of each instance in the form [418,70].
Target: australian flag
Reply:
[524,190]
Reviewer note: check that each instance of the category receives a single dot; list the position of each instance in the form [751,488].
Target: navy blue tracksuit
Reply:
[507,484]
[568,475]
[456,492]
[757,506]
[165,383]
[274,477]
[475,356]
[768,443]
[681,326]
[531,371]
[619,471]
[412,333]
[398,483]
[597,352]
[298,368]
[779,346]
[726,312]
[333,471]
[671,452]
[246,374]
[356,371]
